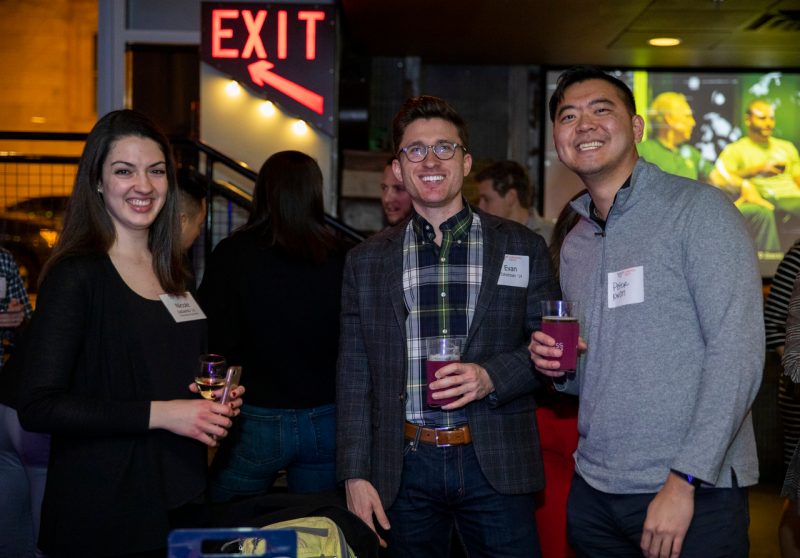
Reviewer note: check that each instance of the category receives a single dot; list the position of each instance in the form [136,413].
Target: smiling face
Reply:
[395,200]
[760,120]
[434,185]
[594,133]
[134,183]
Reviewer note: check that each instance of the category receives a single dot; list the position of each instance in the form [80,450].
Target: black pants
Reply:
[601,524]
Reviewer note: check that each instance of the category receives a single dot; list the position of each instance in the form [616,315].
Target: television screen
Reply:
[738,131]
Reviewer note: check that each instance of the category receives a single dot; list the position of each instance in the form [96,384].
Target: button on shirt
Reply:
[440,287]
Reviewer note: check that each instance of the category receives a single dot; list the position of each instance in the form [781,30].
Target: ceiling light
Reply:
[267,108]
[300,127]
[664,41]
[233,88]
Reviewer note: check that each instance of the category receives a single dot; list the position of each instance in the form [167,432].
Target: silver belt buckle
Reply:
[436,438]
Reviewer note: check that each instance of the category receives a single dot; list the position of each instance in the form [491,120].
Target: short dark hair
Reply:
[579,74]
[426,107]
[191,191]
[509,175]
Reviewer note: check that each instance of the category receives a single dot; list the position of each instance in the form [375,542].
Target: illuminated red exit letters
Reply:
[254,24]
[282,52]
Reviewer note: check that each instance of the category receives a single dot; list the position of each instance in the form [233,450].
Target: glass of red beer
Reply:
[560,321]
[441,351]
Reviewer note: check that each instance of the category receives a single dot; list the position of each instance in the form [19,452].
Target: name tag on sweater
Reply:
[514,272]
[626,287]
[184,308]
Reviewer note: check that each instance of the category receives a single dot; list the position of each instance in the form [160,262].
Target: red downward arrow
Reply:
[260,74]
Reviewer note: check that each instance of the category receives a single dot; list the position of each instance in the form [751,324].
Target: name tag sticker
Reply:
[3,287]
[514,272]
[626,287]
[184,308]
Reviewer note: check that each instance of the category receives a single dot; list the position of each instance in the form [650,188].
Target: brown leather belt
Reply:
[440,437]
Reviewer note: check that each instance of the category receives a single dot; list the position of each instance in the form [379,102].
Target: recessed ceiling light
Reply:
[664,41]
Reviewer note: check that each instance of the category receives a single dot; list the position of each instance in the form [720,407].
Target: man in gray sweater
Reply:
[668,283]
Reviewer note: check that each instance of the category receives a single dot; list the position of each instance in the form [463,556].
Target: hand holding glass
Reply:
[441,351]
[560,321]
[211,375]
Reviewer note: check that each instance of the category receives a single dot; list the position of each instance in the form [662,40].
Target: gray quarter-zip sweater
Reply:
[671,301]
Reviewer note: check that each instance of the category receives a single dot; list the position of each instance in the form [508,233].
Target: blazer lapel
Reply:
[393,279]
[494,249]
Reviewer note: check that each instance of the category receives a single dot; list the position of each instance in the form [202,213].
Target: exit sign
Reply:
[284,52]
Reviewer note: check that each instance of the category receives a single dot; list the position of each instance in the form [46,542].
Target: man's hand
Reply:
[668,519]
[749,194]
[363,501]
[465,380]
[544,354]
[773,168]
[13,315]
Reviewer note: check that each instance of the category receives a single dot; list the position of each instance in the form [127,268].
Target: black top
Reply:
[97,353]
[278,317]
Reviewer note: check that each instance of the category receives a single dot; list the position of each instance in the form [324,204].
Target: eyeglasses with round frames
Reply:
[443,150]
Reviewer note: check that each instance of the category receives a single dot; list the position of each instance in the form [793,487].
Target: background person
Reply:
[776,310]
[107,367]
[789,526]
[672,122]
[272,294]
[557,419]
[474,462]
[667,278]
[395,200]
[505,190]
[23,455]
[762,170]
[192,207]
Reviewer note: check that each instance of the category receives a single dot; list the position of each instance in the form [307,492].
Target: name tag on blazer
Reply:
[514,272]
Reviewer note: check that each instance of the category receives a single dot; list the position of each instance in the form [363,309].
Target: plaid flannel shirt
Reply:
[10,287]
[440,286]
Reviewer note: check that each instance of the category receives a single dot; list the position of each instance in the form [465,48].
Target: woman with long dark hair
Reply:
[271,292]
[108,370]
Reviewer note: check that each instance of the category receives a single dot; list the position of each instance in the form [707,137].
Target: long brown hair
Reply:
[288,210]
[88,228]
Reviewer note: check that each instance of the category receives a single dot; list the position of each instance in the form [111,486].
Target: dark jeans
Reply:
[601,524]
[264,441]
[443,487]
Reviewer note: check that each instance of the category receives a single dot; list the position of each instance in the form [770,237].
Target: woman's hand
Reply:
[202,420]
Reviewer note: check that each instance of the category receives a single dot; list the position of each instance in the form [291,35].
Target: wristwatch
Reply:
[694,481]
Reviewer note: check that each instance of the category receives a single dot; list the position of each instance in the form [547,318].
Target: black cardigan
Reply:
[96,355]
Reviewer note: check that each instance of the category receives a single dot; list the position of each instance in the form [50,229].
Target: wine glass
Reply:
[211,375]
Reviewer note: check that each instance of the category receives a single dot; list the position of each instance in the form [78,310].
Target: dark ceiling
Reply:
[715,34]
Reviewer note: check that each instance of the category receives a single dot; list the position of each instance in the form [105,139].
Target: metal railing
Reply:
[32,175]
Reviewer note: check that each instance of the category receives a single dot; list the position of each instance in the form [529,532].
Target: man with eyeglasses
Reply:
[413,470]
